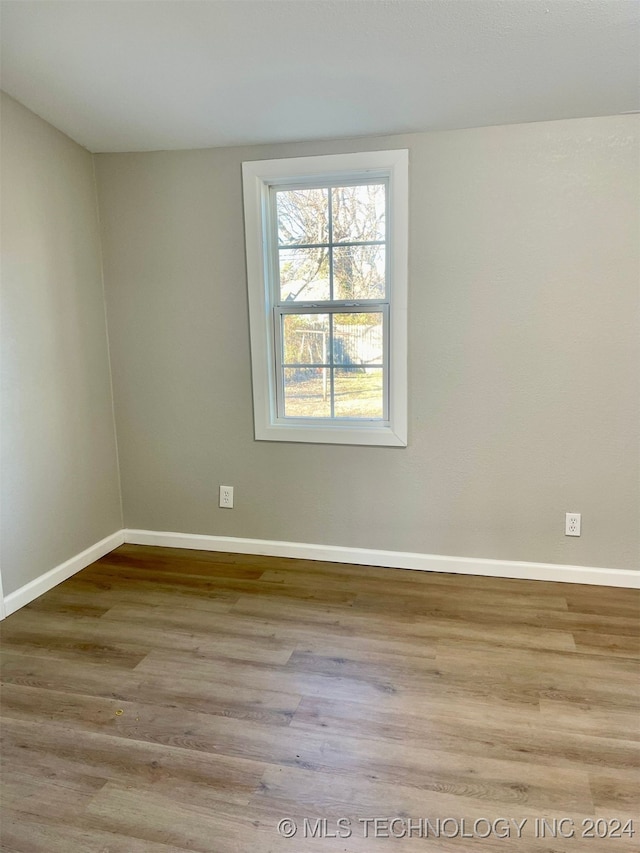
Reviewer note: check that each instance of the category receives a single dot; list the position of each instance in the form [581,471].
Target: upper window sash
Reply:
[275,246]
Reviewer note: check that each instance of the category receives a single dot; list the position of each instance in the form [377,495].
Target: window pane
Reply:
[357,338]
[304,274]
[305,338]
[307,392]
[359,272]
[303,216]
[358,392]
[358,213]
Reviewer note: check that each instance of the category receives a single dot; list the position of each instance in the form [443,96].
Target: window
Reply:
[327,275]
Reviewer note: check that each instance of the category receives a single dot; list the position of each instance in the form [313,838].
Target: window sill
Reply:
[374,436]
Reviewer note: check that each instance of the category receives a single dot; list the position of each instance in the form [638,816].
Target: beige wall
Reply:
[59,466]
[523,352]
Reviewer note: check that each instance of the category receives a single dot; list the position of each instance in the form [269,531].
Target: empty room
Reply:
[320,362]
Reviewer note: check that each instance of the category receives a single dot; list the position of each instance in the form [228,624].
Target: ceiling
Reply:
[132,76]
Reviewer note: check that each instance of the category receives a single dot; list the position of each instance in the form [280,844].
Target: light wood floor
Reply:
[166,700]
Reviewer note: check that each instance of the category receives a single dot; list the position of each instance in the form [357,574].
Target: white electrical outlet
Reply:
[226,497]
[572,523]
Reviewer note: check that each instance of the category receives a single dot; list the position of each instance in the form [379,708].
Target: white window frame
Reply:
[258,179]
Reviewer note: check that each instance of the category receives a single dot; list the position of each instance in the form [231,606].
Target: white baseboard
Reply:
[331,553]
[390,559]
[15,600]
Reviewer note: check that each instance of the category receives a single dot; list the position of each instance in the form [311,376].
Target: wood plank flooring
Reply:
[166,700]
